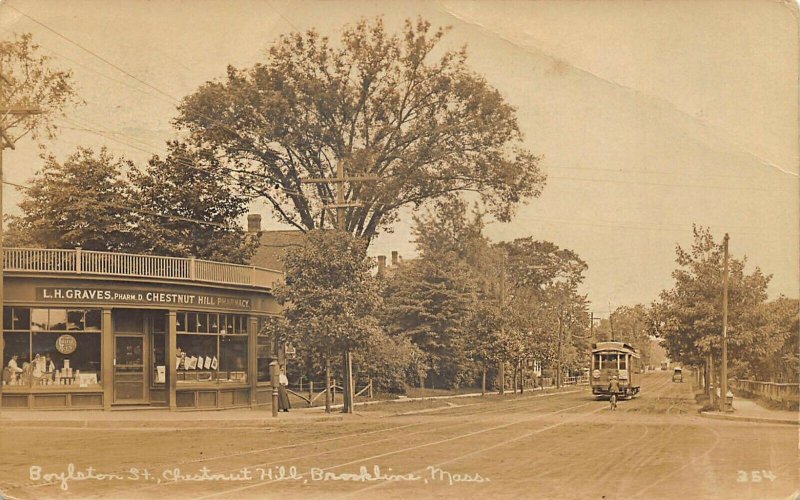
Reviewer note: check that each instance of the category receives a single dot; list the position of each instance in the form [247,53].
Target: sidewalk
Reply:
[260,417]
[164,419]
[747,410]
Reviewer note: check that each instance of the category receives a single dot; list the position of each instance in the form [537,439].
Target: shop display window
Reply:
[159,358]
[211,347]
[233,358]
[51,347]
[16,318]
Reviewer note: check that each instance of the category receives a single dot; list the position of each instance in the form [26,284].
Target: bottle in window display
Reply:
[27,373]
[180,359]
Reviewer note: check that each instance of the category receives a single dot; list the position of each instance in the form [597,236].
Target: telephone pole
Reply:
[341,207]
[558,356]
[723,393]
[6,143]
[501,372]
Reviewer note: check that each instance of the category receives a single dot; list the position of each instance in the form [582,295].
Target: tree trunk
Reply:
[501,375]
[514,379]
[345,386]
[327,385]
[558,361]
[483,382]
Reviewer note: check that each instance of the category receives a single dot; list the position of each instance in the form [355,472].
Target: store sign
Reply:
[66,344]
[121,296]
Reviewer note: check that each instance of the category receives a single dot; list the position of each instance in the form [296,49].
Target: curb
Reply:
[542,391]
[165,424]
[317,416]
[755,420]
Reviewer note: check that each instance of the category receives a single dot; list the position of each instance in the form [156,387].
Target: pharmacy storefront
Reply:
[98,330]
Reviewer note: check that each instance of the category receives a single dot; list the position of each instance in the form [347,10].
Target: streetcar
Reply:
[615,358]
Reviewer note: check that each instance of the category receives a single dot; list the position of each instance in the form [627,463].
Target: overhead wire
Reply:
[140,210]
[167,95]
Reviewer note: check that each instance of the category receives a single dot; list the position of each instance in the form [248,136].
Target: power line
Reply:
[121,70]
[140,210]
[165,216]
[229,129]
[179,159]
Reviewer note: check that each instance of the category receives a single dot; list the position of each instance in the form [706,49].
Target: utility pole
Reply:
[723,393]
[558,360]
[7,143]
[341,205]
[611,322]
[501,372]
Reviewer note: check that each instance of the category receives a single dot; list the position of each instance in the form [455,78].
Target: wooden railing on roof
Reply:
[80,261]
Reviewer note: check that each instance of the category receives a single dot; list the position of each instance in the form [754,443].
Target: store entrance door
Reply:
[129,373]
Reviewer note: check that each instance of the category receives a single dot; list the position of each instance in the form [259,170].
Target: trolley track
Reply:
[507,407]
[563,445]
[363,459]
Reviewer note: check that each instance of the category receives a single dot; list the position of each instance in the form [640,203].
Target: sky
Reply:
[650,116]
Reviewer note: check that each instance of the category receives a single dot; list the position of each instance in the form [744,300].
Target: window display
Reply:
[57,347]
[211,347]
[158,347]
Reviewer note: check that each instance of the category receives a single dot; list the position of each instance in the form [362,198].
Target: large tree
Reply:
[632,324]
[330,296]
[550,314]
[188,207]
[28,81]
[95,200]
[431,300]
[398,106]
[82,201]
[690,314]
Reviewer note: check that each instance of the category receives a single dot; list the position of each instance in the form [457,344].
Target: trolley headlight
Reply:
[596,374]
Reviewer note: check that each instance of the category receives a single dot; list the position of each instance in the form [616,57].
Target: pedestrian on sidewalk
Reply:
[283,395]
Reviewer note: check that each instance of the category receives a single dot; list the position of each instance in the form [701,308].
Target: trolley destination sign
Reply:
[122,296]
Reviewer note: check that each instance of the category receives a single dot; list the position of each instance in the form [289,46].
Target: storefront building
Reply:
[99,330]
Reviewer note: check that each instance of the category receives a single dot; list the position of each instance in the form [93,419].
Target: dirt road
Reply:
[565,445]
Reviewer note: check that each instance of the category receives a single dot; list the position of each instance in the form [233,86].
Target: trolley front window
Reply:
[608,361]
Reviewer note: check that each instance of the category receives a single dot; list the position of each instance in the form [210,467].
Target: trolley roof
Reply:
[616,347]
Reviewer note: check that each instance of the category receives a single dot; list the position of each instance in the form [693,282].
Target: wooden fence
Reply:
[311,392]
[784,393]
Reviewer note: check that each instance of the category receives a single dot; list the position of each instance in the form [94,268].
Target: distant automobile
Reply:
[677,375]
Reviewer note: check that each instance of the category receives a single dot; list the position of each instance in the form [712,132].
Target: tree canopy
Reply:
[188,207]
[29,81]
[82,201]
[398,106]
[101,202]
[329,296]
[690,313]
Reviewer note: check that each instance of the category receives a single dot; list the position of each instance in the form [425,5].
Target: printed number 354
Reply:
[755,476]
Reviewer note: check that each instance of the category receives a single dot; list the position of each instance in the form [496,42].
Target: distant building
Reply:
[387,271]
[273,244]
